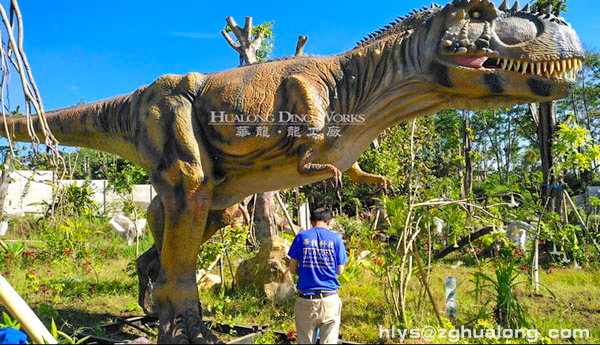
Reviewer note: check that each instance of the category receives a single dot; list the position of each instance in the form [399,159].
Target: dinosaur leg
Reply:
[176,293]
[359,176]
[307,167]
[148,264]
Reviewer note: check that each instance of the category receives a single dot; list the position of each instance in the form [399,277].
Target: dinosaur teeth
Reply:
[560,69]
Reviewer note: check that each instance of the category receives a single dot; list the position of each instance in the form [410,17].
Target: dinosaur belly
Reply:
[236,187]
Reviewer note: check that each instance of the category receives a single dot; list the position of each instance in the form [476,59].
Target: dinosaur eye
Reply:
[476,14]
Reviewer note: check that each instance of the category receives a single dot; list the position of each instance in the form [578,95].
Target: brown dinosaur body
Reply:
[468,55]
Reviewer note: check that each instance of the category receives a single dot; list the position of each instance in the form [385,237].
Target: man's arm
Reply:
[293,266]
[340,270]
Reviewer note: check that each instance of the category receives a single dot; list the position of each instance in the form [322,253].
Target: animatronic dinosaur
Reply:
[466,55]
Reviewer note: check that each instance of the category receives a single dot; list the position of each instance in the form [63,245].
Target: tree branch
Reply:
[300,45]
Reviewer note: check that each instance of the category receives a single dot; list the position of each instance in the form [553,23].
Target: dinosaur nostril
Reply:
[516,30]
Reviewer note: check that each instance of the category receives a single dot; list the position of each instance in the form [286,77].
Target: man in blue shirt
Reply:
[318,255]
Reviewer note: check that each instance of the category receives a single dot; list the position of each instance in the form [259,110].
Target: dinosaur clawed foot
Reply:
[186,328]
[148,268]
[337,178]
[387,185]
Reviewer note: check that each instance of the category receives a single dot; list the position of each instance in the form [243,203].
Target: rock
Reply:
[207,281]
[268,271]
[140,340]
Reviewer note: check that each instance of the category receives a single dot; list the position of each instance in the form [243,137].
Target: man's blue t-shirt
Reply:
[319,252]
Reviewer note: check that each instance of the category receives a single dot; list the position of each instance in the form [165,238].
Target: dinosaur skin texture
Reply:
[466,55]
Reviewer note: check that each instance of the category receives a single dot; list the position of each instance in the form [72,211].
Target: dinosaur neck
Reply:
[386,87]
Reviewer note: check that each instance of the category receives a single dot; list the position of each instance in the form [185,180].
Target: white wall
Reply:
[40,191]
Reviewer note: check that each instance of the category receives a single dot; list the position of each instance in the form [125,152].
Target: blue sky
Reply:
[97,49]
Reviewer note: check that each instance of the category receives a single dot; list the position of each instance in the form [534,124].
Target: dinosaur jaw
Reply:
[560,70]
[508,81]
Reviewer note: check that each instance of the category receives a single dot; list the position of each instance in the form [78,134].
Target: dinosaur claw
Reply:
[387,185]
[337,177]
[187,328]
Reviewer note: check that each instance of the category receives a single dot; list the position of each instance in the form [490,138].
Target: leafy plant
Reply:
[267,338]
[8,322]
[355,265]
[78,201]
[64,338]
[509,311]
[575,147]
[15,249]
[349,226]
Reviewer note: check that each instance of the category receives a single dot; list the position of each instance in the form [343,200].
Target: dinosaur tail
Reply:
[105,125]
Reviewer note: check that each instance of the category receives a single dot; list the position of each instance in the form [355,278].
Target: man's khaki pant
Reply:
[323,313]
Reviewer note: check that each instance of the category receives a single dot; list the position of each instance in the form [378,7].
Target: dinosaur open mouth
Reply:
[559,69]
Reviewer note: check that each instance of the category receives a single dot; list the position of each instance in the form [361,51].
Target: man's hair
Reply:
[320,214]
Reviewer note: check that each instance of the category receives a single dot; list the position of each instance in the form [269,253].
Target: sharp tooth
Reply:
[551,71]
[510,64]
[580,61]
[545,66]
[564,65]
[504,63]
[525,65]
[558,66]
[539,68]
[518,66]
[532,68]
[570,64]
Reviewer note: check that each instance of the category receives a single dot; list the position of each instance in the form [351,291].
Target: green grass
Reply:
[61,286]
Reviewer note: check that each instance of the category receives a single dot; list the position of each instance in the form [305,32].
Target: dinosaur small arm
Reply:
[465,55]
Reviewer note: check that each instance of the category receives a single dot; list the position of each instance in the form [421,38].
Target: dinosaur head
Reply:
[498,55]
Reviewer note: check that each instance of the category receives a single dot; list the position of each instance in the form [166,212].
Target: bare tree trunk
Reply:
[546,125]
[509,147]
[461,164]
[264,217]
[495,145]
[4,180]
[247,46]
[467,149]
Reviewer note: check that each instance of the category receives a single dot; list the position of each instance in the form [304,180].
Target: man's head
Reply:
[321,217]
